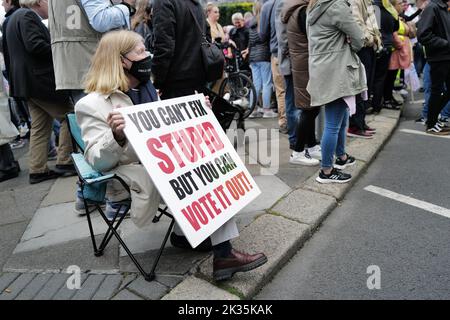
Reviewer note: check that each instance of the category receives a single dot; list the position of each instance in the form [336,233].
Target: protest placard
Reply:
[191,162]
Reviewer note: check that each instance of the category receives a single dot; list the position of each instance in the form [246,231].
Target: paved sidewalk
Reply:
[42,237]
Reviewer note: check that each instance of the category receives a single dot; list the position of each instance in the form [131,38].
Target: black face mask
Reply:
[141,69]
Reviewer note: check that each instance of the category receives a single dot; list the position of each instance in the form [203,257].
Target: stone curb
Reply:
[284,229]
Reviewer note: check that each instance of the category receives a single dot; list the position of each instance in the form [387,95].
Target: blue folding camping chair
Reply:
[93,189]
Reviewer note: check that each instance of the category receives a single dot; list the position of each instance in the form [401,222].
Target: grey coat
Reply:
[335,70]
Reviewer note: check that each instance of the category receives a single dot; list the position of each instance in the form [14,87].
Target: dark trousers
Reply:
[381,70]
[180,92]
[306,129]
[389,84]
[440,75]
[9,168]
[367,57]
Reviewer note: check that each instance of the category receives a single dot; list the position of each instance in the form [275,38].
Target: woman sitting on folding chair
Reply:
[120,76]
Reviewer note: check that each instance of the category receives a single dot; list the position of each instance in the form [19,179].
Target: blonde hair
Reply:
[257,12]
[143,11]
[28,3]
[106,73]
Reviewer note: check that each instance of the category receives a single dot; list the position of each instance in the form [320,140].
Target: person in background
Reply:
[21,117]
[336,77]
[32,78]
[248,17]
[306,150]
[401,57]
[76,46]
[434,35]
[268,32]
[240,35]
[259,57]
[141,22]
[364,14]
[389,23]
[120,76]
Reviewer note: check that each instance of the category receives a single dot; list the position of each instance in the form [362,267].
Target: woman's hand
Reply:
[117,124]
[207,102]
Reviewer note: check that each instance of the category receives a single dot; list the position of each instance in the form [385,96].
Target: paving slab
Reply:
[170,281]
[14,289]
[141,240]
[9,237]
[149,290]
[6,279]
[272,189]
[108,287]
[278,237]
[174,261]
[89,287]
[55,225]
[336,190]
[126,295]
[10,212]
[52,286]
[62,191]
[64,293]
[59,257]
[129,278]
[30,291]
[193,288]
[305,207]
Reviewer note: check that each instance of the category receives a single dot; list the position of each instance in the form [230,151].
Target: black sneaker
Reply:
[40,177]
[438,131]
[66,170]
[342,164]
[336,176]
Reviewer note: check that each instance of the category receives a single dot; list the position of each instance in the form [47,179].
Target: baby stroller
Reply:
[226,112]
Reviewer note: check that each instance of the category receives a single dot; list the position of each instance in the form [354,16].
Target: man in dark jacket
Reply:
[177,64]
[12,6]
[178,71]
[434,34]
[32,78]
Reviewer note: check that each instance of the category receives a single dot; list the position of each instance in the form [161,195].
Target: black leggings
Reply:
[306,129]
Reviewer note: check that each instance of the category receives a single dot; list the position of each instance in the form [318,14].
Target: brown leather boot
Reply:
[225,268]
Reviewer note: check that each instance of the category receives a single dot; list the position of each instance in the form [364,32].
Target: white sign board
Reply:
[191,162]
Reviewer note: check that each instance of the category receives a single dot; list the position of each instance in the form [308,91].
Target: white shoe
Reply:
[303,158]
[256,114]
[227,96]
[315,152]
[270,114]
[403,92]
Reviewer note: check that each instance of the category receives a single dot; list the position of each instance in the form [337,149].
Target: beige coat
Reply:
[72,45]
[364,14]
[107,156]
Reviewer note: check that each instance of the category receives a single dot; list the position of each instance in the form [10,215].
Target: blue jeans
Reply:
[292,112]
[334,134]
[445,113]
[262,80]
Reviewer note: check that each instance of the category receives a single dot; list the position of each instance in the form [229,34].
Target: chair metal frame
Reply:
[114,225]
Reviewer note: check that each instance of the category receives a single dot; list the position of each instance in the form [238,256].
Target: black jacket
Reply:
[433,31]
[4,44]
[258,50]
[31,66]
[388,25]
[177,61]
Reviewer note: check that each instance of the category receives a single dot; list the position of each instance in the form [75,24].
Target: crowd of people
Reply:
[346,56]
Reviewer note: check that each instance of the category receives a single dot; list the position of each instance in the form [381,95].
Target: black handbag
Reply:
[212,55]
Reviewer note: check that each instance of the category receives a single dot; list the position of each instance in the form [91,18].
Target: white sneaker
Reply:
[403,92]
[268,113]
[303,158]
[257,113]
[315,152]
[227,96]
